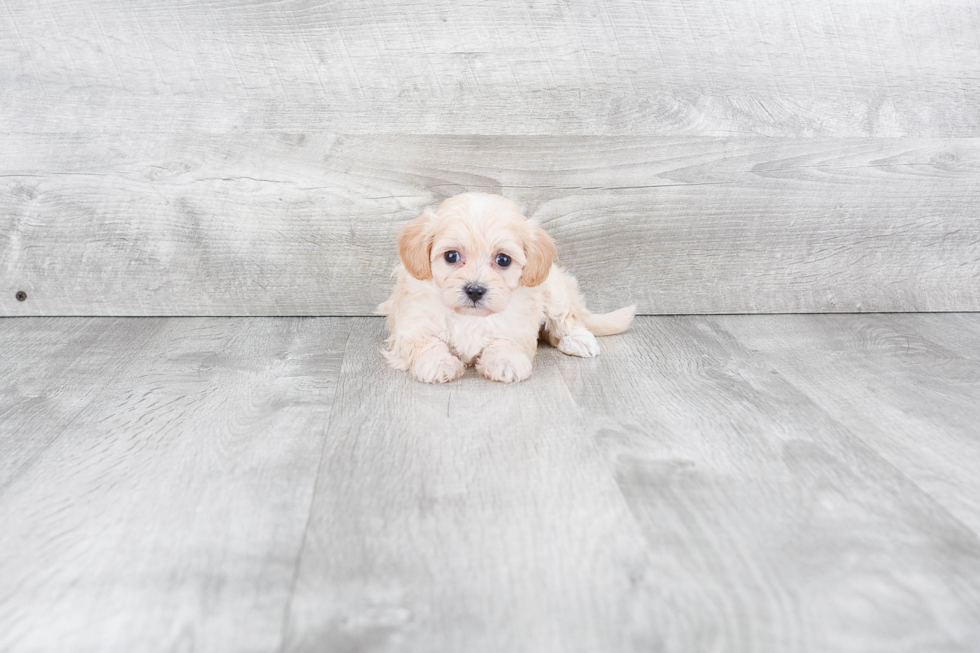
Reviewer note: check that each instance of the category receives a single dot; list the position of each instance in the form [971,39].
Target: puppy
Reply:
[476,283]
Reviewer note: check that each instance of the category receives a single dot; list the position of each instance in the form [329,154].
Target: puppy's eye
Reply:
[451,256]
[503,260]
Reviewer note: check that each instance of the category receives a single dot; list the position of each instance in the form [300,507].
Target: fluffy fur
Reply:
[436,329]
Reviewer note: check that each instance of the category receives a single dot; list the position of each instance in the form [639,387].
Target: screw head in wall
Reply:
[21,295]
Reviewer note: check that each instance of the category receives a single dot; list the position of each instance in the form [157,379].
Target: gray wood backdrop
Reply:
[237,157]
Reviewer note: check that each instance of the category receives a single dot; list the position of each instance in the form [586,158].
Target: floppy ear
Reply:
[415,246]
[540,251]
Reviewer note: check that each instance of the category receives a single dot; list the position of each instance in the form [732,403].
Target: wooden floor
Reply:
[751,483]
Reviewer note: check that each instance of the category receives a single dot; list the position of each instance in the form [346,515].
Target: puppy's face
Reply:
[477,249]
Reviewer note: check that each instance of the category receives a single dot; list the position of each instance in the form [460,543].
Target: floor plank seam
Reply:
[851,437]
[309,513]
[5,484]
[856,438]
[587,420]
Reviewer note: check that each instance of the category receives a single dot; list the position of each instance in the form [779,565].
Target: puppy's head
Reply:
[477,248]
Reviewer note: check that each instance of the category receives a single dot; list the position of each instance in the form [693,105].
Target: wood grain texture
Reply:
[705,484]
[156,478]
[797,68]
[298,224]
[911,389]
[236,157]
[470,516]
[791,523]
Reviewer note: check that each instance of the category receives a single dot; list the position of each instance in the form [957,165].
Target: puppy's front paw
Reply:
[505,366]
[579,342]
[438,367]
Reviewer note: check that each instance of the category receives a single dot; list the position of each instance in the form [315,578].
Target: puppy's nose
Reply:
[475,292]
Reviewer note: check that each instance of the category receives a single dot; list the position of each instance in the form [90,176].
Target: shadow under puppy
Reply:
[477,283]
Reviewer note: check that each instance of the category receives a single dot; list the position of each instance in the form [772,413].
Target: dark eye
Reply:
[503,260]
[451,256]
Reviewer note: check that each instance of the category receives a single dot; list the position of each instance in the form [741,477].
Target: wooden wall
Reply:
[237,157]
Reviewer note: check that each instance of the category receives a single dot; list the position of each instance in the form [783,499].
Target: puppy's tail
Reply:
[607,324]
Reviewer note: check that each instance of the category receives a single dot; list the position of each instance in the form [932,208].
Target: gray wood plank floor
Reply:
[727,483]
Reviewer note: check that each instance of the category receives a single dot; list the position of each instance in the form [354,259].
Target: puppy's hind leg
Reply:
[563,325]
[580,333]
[570,326]
[570,335]
[578,341]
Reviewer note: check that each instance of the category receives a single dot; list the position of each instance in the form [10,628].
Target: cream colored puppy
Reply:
[476,283]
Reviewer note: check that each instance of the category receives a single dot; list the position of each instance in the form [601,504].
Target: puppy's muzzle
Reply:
[475,292]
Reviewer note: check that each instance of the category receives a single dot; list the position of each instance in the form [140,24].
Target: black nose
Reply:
[475,292]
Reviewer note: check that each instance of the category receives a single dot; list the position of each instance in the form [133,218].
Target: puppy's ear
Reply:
[415,246]
[540,251]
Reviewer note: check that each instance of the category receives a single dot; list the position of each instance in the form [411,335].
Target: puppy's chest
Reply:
[468,336]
